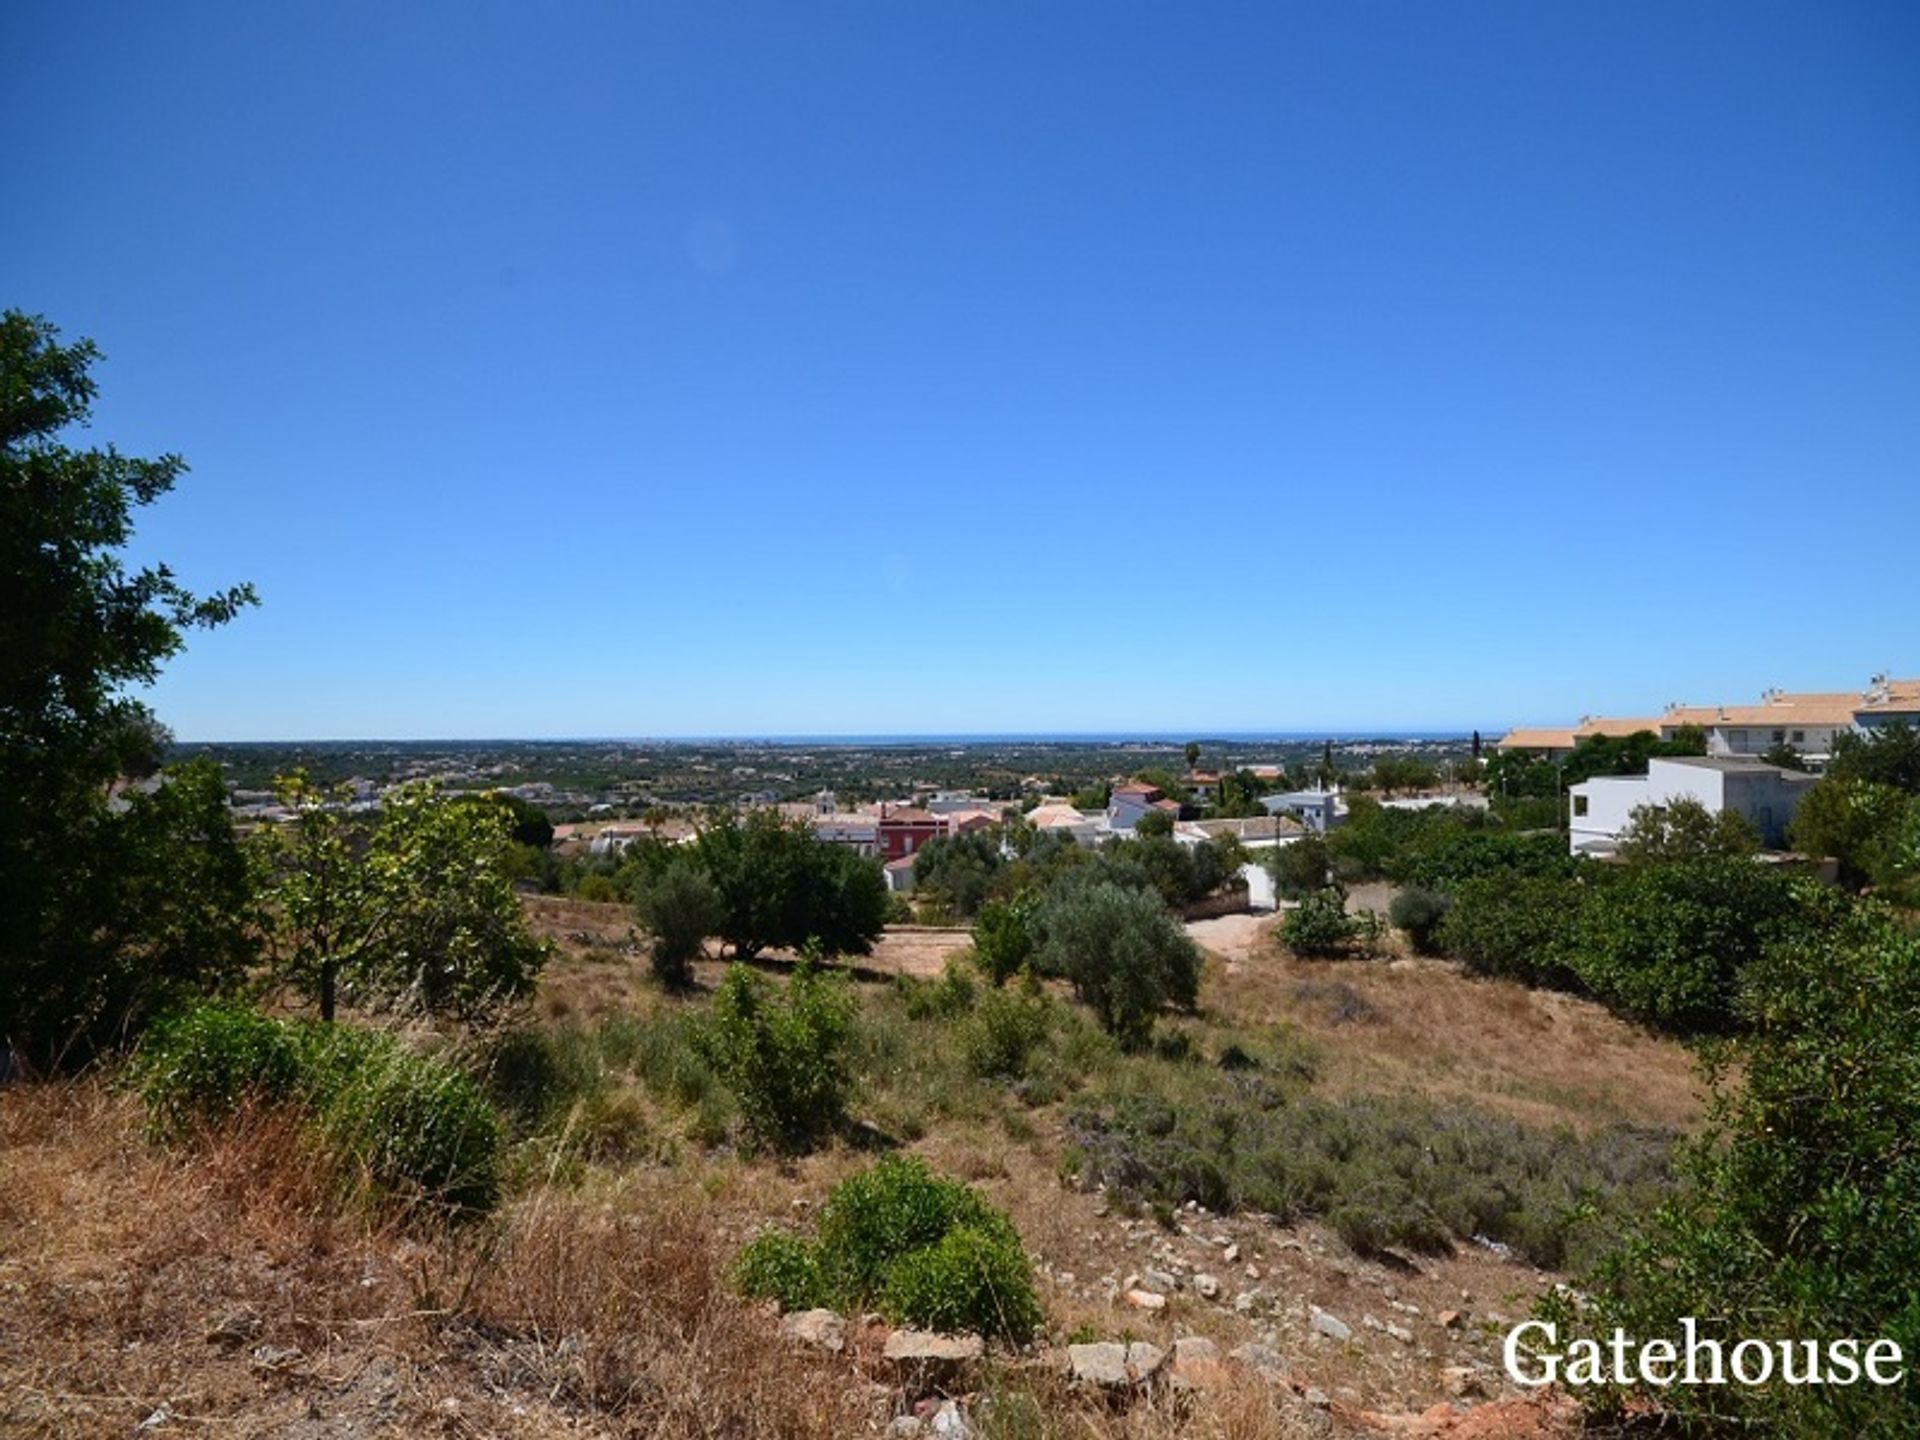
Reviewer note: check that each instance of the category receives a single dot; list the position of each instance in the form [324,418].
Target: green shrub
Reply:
[1419,913]
[783,1053]
[942,999]
[417,1128]
[1515,927]
[198,1066]
[879,1214]
[970,1280]
[783,1268]
[1319,926]
[678,907]
[398,1125]
[999,1038]
[926,1250]
[1125,955]
[1384,1172]
[1003,941]
[1800,1212]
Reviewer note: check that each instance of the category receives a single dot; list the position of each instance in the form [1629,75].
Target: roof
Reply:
[1891,697]
[1615,728]
[905,862]
[1736,765]
[907,815]
[1203,777]
[1136,787]
[1537,739]
[1809,710]
[1046,817]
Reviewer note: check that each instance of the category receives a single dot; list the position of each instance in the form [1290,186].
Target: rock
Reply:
[1253,1272]
[1194,1347]
[156,1419]
[1331,1326]
[1206,1286]
[1399,1332]
[950,1423]
[1113,1366]
[822,1329]
[1146,1300]
[1159,1282]
[234,1330]
[1317,1398]
[904,1427]
[273,1357]
[1244,1302]
[1230,1254]
[926,1352]
[1263,1359]
[1462,1382]
[1450,1319]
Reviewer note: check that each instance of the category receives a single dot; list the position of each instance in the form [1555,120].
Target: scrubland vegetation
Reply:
[323,1091]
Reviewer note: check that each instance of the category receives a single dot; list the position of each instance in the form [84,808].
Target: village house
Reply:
[904,829]
[1601,809]
[1128,804]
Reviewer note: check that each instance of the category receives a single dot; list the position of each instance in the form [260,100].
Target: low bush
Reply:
[1383,1172]
[199,1066]
[783,1053]
[928,1251]
[1003,941]
[1320,927]
[1419,913]
[970,1280]
[783,1268]
[1514,927]
[678,906]
[999,1038]
[1125,956]
[943,999]
[398,1126]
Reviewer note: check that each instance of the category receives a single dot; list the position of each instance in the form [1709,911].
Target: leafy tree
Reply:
[959,869]
[78,968]
[679,907]
[1003,941]
[1785,756]
[1853,820]
[1513,926]
[781,886]
[1123,953]
[1300,867]
[1319,926]
[414,909]
[1154,824]
[1419,913]
[1800,1215]
[1684,830]
[1667,943]
[1193,753]
[1886,756]
[1239,797]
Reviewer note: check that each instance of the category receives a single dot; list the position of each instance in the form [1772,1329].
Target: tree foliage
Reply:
[1125,956]
[678,906]
[783,1053]
[780,886]
[80,964]
[1855,821]
[1801,1213]
[1684,830]
[414,909]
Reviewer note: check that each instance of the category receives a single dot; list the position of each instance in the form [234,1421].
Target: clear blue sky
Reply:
[787,368]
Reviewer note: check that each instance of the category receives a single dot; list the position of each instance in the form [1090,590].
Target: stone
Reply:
[1206,1286]
[949,1422]
[1399,1332]
[1114,1366]
[822,1329]
[231,1331]
[1450,1319]
[1316,1397]
[1462,1382]
[927,1349]
[1194,1347]
[1244,1302]
[904,1427]
[1230,1254]
[1253,1272]
[1146,1300]
[1331,1326]
[1257,1357]
[273,1357]
[1160,1282]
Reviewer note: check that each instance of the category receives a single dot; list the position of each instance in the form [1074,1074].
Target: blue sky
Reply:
[788,368]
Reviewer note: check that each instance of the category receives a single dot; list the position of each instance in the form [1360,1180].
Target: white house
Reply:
[1766,795]
[1318,810]
[1807,722]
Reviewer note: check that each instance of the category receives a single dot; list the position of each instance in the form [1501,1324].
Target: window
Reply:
[1779,737]
[1579,804]
[1799,736]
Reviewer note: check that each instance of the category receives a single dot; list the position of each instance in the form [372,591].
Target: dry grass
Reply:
[1423,1027]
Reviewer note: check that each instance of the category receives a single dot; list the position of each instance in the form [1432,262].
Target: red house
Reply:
[904,831]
